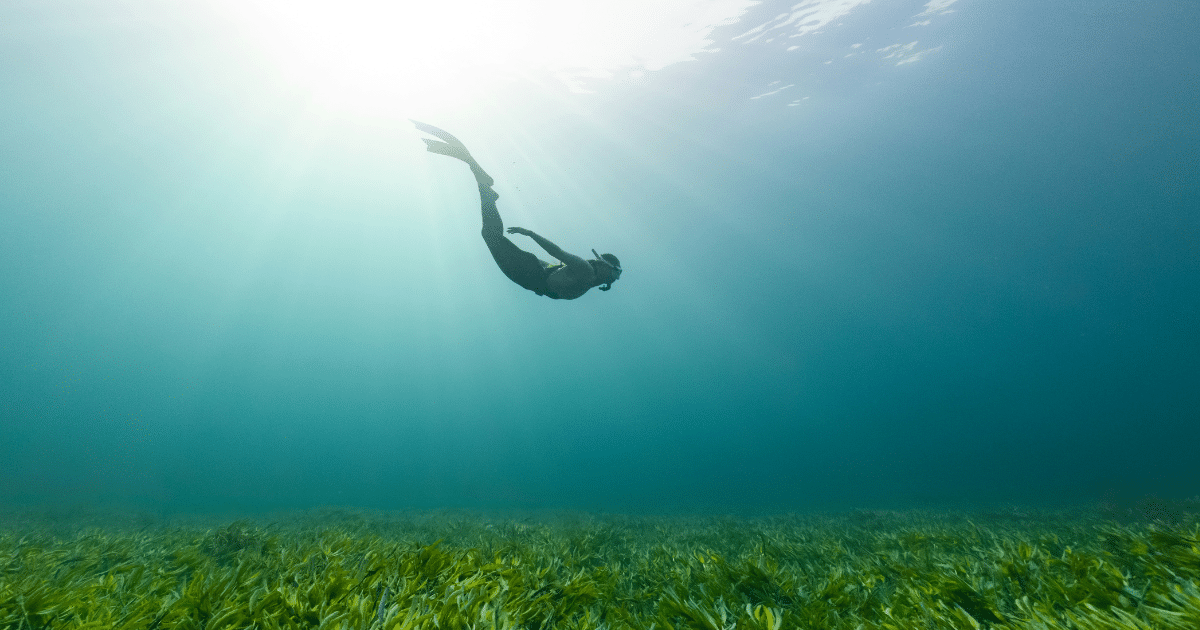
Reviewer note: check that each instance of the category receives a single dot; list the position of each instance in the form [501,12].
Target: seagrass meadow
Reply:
[857,570]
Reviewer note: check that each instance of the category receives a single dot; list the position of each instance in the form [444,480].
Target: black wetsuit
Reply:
[522,267]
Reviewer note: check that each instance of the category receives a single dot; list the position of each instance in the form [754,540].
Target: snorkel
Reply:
[616,269]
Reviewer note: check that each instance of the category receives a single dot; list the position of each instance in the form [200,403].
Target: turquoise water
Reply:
[902,264]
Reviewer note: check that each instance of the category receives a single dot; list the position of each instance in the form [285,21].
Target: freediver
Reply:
[567,280]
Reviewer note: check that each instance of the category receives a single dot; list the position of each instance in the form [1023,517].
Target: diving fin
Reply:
[445,148]
[434,131]
[452,147]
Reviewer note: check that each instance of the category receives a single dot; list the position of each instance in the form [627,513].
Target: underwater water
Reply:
[908,336]
[881,255]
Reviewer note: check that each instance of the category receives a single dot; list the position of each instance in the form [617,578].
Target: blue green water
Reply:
[971,278]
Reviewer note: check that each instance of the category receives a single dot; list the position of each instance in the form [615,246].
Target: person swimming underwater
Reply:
[567,280]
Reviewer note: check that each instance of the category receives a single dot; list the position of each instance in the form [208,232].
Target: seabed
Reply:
[1084,570]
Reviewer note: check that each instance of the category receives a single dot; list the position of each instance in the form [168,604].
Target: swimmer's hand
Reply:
[520,230]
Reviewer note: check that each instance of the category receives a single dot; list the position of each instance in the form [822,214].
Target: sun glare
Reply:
[370,56]
[367,55]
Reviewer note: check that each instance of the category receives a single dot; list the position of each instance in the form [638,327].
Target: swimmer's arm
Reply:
[572,261]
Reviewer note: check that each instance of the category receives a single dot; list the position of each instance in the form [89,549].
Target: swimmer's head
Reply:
[610,265]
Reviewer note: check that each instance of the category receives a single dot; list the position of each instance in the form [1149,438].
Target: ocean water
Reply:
[878,255]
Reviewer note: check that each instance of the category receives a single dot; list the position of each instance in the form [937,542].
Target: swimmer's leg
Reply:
[520,266]
[487,206]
